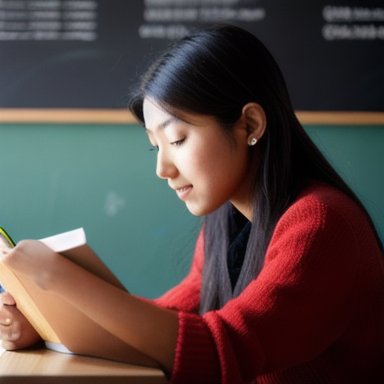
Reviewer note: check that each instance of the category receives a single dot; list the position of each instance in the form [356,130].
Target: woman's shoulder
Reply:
[326,197]
[323,221]
[322,206]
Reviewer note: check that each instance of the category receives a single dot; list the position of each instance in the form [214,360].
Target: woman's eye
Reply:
[154,148]
[177,142]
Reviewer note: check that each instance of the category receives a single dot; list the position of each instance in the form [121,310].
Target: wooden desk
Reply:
[42,366]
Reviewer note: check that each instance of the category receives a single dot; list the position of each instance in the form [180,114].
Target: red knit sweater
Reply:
[315,314]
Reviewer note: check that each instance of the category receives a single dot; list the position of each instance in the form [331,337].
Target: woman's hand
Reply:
[15,330]
[32,258]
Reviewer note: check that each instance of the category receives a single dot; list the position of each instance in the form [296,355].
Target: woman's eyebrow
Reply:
[164,124]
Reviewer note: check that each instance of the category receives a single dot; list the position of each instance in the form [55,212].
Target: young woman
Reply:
[287,281]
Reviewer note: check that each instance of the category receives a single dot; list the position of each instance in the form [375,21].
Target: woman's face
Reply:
[202,165]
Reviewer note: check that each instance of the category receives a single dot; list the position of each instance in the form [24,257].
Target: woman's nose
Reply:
[165,168]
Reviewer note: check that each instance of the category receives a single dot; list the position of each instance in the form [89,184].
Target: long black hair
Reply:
[216,72]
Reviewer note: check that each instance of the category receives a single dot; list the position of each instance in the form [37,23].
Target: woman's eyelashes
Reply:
[174,143]
[177,142]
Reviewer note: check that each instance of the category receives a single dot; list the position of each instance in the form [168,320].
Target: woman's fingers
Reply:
[15,330]
[7,299]
[7,309]
[10,331]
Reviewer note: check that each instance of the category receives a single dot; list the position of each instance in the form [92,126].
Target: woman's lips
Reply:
[183,192]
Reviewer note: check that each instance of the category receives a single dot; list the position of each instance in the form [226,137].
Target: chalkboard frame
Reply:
[123,116]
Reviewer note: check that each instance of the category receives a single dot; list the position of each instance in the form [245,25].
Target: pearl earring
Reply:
[252,141]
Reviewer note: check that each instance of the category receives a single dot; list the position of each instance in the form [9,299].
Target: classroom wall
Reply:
[56,178]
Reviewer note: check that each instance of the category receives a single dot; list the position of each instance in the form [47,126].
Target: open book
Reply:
[62,326]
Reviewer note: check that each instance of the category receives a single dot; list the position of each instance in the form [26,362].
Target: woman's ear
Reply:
[255,120]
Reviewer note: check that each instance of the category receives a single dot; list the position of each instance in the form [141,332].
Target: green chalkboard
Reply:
[56,178]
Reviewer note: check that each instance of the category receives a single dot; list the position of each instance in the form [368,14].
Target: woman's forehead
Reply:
[157,117]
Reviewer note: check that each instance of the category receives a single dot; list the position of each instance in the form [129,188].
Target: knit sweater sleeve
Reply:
[299,303]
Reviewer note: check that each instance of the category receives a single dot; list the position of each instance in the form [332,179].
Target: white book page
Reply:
[67,240]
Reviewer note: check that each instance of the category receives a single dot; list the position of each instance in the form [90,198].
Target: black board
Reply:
[331,52]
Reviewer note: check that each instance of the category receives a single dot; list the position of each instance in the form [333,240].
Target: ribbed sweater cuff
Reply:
[196,358]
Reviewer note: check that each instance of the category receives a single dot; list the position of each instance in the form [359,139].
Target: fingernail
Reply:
[8,321]
[7,302]
[13,335]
